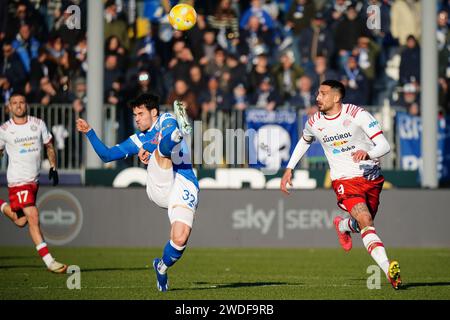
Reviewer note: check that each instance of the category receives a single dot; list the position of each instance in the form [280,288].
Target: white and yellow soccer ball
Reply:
[182,17]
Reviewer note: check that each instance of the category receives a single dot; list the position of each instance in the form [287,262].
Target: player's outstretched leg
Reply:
[182,117]
[344,228]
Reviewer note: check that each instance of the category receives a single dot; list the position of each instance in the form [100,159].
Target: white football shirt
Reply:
[340,136]
[23,144]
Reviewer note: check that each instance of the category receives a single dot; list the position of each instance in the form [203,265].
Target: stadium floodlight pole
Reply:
[429,96]
[95,58]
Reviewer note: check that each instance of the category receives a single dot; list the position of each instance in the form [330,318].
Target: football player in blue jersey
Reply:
[171,182]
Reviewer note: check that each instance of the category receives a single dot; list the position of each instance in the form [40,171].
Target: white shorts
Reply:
[172,191]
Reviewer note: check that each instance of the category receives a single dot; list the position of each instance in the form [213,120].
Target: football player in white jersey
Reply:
[171,182]
[353,142]
[22,138]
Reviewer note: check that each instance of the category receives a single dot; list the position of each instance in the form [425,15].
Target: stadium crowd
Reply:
[240,53]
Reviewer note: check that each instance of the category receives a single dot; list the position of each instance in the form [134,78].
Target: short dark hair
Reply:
[335,85]
[150,101]
[16,94]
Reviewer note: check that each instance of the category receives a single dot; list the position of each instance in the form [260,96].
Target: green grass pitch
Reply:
[224,274]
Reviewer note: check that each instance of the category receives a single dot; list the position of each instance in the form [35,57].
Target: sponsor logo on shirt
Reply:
[26,139]
[339,143]
[373,124]
[337,137]
[344,149]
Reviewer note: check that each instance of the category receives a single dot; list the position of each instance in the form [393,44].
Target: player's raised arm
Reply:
[120,151]
[300,149]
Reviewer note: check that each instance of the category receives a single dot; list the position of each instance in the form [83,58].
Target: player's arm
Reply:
[300,149]
[51,155]
[120,151]
[373,130]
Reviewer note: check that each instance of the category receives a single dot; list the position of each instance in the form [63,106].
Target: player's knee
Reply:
[21,222]
[180,239]
[32,216]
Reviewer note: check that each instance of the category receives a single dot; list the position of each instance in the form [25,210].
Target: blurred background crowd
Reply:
[258,53]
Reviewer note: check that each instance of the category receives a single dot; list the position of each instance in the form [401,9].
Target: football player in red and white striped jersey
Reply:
[353,142]
[22,137]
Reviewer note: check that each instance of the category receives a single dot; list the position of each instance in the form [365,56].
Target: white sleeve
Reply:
[381,148]
[46,135]
[368,124]
[299,151]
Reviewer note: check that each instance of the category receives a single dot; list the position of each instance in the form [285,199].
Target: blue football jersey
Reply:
[151,139]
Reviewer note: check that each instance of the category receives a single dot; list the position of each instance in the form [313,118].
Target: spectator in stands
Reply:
[3,19]
[240,98]
[149,46]
[355,83]
[298,18]
[410,99]
[304,97]
[197,82]
[286,73]
[80,55]
[11,67]
[5,90]
[234,74]
[335,12]
[208,47]
[61,26]
[113,46]
[316,40]
[181,92]
[443,36]
[254,39]
[55,48]
[26,46]
[405,20]
[48,94]
[41,67]
[347,33]
[111,81]
[256,10]
[321,72]
[214,98]
[217,67]
[181,63]
[25,15]
[226,24]
[410,62]
[259,71]
[115,25]
[79,96]
[266,96]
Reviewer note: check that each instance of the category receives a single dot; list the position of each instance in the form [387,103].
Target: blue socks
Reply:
[172,253]
[169,140]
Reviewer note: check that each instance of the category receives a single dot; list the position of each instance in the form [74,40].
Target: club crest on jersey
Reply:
[33,127]
[346,122]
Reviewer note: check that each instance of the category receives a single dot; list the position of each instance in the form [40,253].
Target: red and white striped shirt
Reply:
[343,134]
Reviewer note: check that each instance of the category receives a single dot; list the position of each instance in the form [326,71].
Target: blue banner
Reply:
[409,133]
[272,137]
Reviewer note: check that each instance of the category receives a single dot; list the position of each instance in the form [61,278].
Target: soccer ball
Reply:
[182,17]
